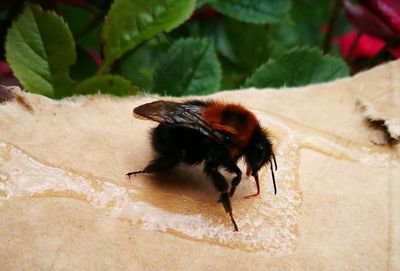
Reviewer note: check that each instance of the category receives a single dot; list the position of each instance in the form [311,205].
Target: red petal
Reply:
[368,22]
[211,13]
[95,56]
[206,12]
[367,46]
[4,68]
[395,52]
[324,28]
[387,10]
[6,76]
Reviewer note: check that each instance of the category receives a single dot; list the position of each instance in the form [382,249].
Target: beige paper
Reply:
[65,203]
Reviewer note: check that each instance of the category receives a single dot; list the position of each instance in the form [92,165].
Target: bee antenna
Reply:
[272,170]
[273,157]
[273,177]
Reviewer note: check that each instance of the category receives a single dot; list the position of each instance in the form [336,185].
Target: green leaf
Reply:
[129,23]
[111,84]
[85,24]
[200,3]
[252,11]
[40,49]
[190,67]
[304,27]
[138,66]
[298,67]
[249,43]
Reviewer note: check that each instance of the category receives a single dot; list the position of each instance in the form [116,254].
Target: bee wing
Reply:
[178,114]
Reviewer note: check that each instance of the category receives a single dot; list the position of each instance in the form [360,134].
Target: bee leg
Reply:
[220,183]
[255,175]
[160,164]
[224,198]
[129,174]
[236,180]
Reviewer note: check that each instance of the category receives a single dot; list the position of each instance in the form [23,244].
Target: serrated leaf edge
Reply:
[14,24]
[295,49]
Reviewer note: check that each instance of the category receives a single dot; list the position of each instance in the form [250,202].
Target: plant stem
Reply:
[326,46]
[103,69]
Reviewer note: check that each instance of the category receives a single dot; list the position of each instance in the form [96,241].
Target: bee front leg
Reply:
[236,180]
[255,175]
[211,169]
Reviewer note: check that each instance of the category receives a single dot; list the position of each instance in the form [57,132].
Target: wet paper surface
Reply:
[267,222]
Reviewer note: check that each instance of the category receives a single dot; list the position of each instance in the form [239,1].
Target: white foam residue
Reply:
[368,157]
[269,225]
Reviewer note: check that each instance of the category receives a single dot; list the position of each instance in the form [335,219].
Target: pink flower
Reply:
[6,75]
[206,13]
[395,52]
[378,18]
[387,10]
[4,68]
[377,36]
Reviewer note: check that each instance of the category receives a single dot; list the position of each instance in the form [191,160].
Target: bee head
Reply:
[258,152]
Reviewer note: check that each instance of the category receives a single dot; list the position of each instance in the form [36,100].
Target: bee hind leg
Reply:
[160,164]
[224,198]
[129,174]
[220,183]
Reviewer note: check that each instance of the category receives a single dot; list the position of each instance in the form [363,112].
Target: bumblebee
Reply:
[213,133]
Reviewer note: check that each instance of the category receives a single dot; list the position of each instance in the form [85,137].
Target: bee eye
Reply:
[259,154]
